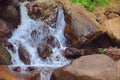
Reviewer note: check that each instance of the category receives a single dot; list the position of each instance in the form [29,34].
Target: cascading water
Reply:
[23,36]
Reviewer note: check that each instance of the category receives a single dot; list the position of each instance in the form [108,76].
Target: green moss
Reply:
[58,78]
[91,4]
[5,57]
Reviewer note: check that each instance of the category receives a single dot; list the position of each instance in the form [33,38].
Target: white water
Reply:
[22,35]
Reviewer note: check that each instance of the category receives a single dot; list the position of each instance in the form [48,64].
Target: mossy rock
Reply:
[5,57]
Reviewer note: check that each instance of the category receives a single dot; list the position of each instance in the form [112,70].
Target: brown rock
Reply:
[44,51]
[100,17]
[52,41]
[72,53]
[35,76]
[93,67]
[83,26]
[17,69]
[31,69]
[23,54]
[5,74]
[112,26]
[112,15]
[70,36]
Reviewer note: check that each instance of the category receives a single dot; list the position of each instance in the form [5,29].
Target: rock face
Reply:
[93,67]
[5,74]
[5,57]
[44,51]
[23,54]
[112,26]
[83,26]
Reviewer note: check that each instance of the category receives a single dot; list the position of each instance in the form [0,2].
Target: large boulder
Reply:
[5,57]
[44,51]
[93,67]
[118,69]
[5,74]
[23,54]
[112,26]
[84,27]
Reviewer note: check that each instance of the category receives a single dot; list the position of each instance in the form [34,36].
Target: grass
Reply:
[91,4]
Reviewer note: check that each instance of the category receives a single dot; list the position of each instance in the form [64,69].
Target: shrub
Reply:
[91,4]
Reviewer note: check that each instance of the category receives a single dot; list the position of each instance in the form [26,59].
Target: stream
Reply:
[23,36]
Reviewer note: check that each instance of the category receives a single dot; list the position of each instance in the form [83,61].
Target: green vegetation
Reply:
[101,50]
[91,4]
[5,57]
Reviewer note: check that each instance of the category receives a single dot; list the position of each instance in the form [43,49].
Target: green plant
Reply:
[101,50]
[91,4]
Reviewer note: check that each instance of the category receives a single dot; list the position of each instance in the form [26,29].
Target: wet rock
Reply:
[35,76]
[8,45]
[48,10]
[31,69]
[23,54]
[83,25]
[5,57]
[44,51]
[73,53]
[112,26]
[52,41]
[72,39]
[5,74]
[17,69]
[93,67]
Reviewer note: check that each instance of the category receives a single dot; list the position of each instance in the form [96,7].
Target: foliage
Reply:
[101,50]
[91,4]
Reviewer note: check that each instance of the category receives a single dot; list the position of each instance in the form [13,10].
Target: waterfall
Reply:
[22,35]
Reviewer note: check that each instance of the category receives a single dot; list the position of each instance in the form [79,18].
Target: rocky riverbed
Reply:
[92,41]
